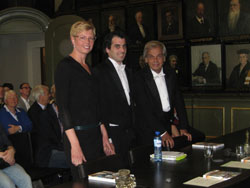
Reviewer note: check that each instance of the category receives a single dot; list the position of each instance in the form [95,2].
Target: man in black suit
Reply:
[41,96]
[50,151]
[199,25]
[156,96]
[114,84]
[207,73]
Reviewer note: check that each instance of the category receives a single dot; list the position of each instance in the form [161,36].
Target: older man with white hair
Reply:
[13,119]
[41,96]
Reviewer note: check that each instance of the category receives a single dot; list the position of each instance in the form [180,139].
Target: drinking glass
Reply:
[240,151]
[208,151]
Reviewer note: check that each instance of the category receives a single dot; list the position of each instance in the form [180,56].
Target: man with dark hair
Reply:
[114,84]
[170,25]
[240,72]
[199,24]
[24,101]
[8,86]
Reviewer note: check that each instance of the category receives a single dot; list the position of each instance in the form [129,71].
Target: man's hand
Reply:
[167,140]
[175,131]
[13,129]
[185,133]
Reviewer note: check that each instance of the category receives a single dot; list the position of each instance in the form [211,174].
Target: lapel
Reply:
[169,84]
[112,72]
[152,85]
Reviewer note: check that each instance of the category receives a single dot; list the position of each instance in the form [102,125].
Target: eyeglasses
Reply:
[158,57]
[83,38]
[26,88]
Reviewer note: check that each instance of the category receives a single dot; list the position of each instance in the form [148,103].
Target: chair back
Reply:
[140,154]
[23,146]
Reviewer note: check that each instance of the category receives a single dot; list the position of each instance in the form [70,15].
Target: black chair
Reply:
[24,156]
[140,154]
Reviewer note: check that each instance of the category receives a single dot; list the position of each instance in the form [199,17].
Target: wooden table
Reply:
[150,174]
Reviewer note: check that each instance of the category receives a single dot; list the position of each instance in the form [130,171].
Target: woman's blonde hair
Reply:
[80,26]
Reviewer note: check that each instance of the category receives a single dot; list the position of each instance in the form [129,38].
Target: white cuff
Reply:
[164,133]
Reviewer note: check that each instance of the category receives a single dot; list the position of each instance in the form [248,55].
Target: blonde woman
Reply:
[85,136]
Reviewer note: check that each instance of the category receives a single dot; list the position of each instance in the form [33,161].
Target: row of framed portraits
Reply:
[211,66]
[175,19]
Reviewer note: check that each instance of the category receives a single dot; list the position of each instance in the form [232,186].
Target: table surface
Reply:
[150,174]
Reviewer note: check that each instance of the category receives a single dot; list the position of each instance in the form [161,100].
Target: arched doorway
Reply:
[21,39]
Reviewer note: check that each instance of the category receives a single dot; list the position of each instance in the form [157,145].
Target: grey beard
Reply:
[233,19]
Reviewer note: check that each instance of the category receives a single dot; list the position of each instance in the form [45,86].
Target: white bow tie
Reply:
[121,66]
[159,75]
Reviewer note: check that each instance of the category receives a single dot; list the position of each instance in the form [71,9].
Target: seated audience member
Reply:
[13,175]
[50,151]
[13,119]
[156,96]
[24,101]
[8,86]
[41,96]
[1,96]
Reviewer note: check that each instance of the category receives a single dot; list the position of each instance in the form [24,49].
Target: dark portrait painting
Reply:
[177,59]
[206,65]
[238,66]
[200,18]
[139,24]
[234,17]
[112,20]
[169,20]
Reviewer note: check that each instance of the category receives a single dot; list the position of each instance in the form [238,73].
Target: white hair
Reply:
[39,91]
[7,93]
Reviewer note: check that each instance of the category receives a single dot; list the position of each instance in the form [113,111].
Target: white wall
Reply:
[20,58]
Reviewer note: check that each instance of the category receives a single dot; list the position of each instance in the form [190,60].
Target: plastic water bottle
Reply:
[157,147]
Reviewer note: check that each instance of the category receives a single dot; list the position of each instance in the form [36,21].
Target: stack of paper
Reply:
[200,145]
[172,155]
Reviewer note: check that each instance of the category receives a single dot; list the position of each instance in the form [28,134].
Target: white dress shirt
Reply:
[120,69]
[162,89]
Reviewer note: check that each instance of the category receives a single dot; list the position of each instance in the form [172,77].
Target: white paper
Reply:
[202,182]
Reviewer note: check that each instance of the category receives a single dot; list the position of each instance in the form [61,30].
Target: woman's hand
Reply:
[8,155]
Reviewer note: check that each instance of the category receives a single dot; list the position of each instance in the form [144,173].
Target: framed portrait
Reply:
[234,17]
[177,59]
[206,65]
[112,19]
[139,24]
[93,17]
[170,20]
[200,20]
[237,66]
